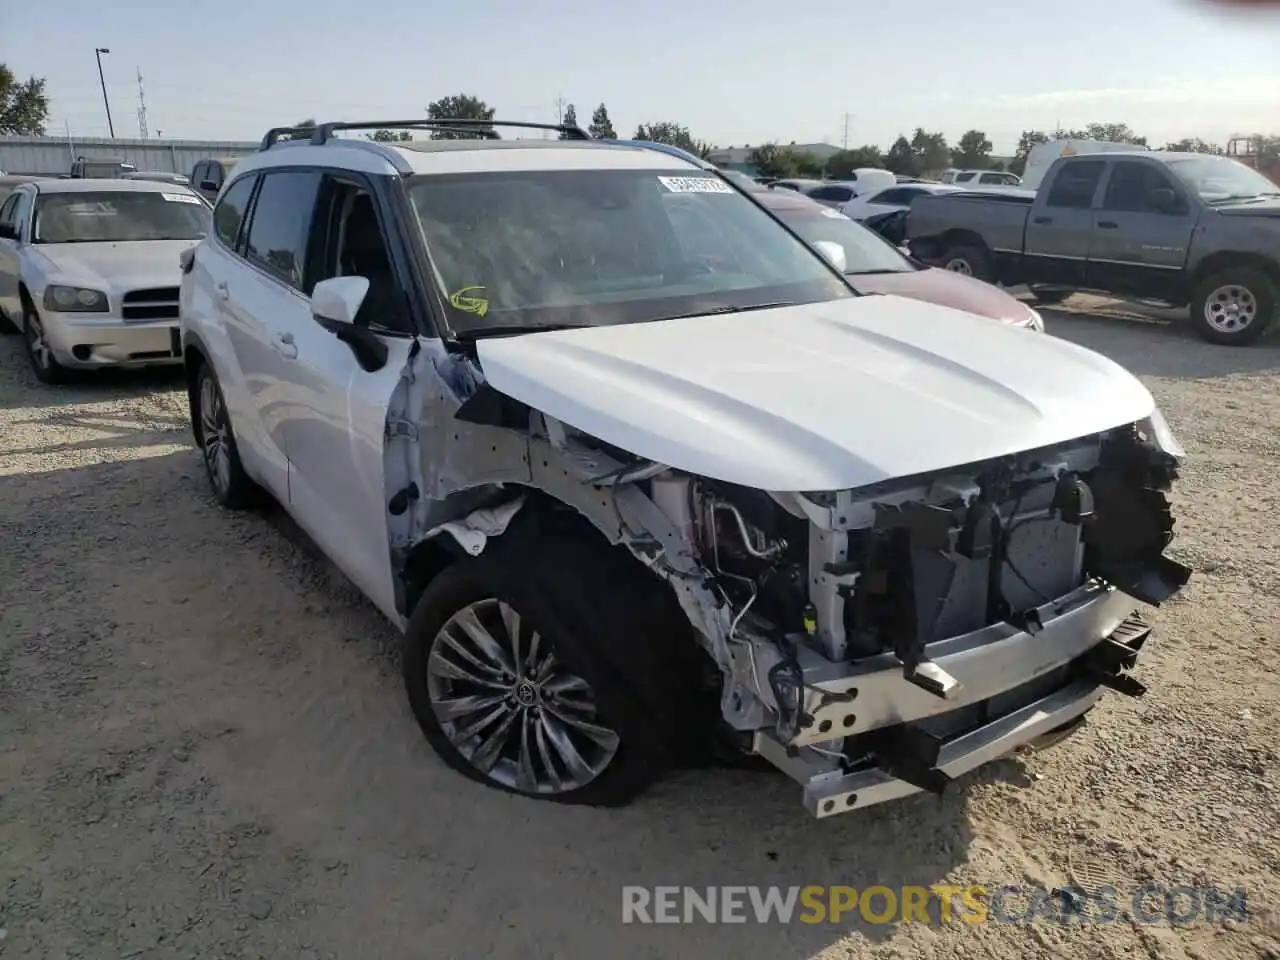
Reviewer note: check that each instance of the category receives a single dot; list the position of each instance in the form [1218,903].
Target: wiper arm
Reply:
[747,309]
[516,328]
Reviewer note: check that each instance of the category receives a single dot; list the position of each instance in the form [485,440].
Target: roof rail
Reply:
[323,132]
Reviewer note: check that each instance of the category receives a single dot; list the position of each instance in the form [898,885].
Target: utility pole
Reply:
[846,131]
[98,52]
[142,107]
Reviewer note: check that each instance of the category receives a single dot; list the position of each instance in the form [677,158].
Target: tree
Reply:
[390,136]
[1193,145]
[767,159]
[901,158]
[1112,132]
[1026,143]
[841,164]
[601,126]
[570,119]
[461,106]
[973,152]
[303,129]
[772,160]
[674,135]
[24,107]
[930,150]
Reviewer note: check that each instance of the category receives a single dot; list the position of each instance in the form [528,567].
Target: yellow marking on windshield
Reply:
[469,304]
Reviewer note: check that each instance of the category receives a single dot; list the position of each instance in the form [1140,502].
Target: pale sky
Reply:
[229,69]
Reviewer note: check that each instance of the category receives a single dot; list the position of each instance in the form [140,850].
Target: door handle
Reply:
[1042,220]
[283,342]
[224,292]
[1107,224]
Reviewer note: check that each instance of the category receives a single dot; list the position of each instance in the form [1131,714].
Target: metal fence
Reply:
[52,156]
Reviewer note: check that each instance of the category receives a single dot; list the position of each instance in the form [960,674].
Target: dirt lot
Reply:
[205,750]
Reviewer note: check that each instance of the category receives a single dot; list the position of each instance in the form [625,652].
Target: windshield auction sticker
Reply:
[695,185]
[181,197]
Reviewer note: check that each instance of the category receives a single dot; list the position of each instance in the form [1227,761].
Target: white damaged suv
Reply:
[641,498]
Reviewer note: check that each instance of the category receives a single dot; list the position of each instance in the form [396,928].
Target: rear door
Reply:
[1142,229]
[1060,224]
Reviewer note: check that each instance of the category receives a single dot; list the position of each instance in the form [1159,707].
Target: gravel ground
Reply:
[205,750]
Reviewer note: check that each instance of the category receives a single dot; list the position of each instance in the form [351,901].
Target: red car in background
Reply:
[873,265]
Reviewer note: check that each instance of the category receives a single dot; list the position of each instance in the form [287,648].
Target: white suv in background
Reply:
[641,495]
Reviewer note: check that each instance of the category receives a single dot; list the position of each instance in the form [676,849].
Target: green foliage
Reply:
[570,119]
[1027,142]
[930,150]
[840,165]
[390,136]
[973,152]
[24,107]
[901,158]
[1113,132]
[601,126]
[674,135]
[460,106]
[785,162]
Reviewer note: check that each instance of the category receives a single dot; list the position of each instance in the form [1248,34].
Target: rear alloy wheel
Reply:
[1234,306]
[968,261]
[39,354]
[230,484]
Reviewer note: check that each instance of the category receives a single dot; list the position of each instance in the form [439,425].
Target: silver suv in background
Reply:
[639,497]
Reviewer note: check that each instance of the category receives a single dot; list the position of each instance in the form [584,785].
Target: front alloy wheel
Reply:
[516,715]
[1234,306]
[43,363]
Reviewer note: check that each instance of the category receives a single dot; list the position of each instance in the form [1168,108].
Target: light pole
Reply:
[98,52]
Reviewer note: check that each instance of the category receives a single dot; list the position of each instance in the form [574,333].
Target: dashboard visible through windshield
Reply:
[529,249]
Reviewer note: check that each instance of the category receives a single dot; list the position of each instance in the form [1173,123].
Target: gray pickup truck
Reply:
[1180,228]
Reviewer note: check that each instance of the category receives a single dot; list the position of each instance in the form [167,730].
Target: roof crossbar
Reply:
[321,133]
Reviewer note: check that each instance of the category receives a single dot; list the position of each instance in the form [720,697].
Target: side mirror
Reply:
[1164,200]
[9,231]
[334,305]
[208,185]
[336,301]
[833,252]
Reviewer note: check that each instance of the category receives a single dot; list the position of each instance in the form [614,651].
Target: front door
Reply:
[334,423]
[10,265]
[1060,223]
[1142,230]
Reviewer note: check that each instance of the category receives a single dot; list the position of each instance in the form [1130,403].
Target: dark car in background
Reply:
[873,265]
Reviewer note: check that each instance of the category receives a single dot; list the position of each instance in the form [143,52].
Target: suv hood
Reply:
[822,396]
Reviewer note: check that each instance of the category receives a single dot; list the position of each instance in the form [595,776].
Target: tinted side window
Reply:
[1075,183]
[6,211]
[895,195]
[281,221]
[198,175]
[830,193]
[228,215]
[1131,186]
[963,177]
[21,210]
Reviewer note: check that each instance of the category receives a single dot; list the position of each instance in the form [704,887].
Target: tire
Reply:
[618,640]
[1050,295]
[211,422]
[43,363]
[968,260]
[1234,307]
